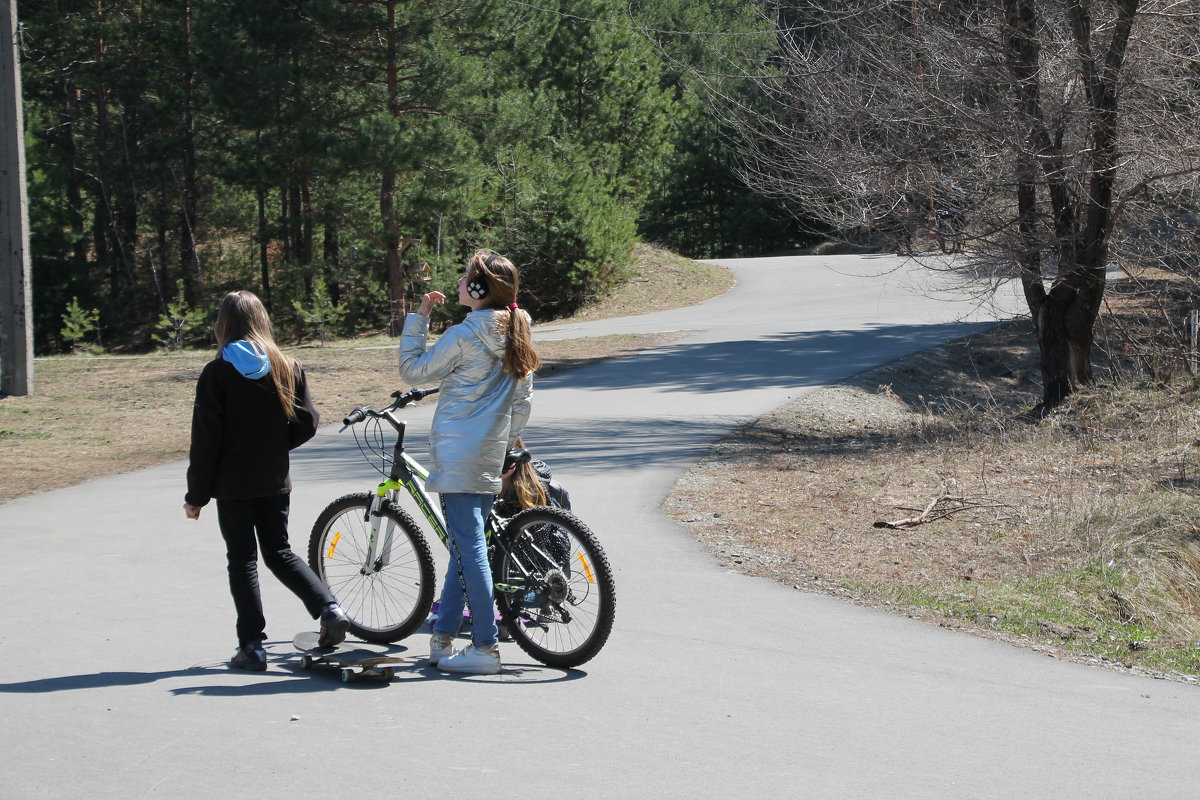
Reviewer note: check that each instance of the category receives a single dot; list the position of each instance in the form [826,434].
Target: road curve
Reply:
[713,685]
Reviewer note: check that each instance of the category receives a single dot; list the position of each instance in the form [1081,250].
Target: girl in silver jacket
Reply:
[485,365]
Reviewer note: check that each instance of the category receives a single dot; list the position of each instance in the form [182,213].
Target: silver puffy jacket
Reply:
[481,409]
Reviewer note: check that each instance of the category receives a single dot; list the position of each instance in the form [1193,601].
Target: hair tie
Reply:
[513,306]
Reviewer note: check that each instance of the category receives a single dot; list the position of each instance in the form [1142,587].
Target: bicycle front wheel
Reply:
[554,587]
[380,569]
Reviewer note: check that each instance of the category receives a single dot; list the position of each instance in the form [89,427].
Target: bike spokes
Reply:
[555,587]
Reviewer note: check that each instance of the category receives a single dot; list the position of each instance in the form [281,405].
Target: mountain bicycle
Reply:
[553,583]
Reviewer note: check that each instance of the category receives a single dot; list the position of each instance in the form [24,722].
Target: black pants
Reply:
[240,521]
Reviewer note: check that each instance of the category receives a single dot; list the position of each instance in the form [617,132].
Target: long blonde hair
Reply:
[503,281]
[525,485]
[242,315]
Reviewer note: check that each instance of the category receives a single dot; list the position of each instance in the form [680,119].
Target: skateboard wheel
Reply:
[306,661]
[347,675]
[387,673]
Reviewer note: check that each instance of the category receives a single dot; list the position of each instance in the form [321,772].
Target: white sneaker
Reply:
[473,660]
[440,646]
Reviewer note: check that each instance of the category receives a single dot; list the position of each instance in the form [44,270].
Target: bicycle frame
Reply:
[409,476]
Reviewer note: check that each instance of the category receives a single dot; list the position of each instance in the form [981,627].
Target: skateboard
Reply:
[354,662]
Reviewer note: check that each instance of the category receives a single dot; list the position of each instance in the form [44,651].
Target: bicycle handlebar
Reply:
[411,396]
[402,399]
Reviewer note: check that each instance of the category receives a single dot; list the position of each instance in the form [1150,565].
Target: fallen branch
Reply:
[932,512]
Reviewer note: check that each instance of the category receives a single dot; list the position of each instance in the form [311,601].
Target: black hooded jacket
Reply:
[241,436]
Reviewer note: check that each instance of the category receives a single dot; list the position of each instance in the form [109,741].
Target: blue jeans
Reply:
[465,514]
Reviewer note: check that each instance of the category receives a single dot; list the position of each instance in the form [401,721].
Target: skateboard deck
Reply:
[354,662]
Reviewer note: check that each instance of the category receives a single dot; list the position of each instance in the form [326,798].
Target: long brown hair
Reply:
[503,282]
[242,315]
[525,485]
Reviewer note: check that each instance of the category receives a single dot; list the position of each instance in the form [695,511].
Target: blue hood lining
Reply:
[247,359]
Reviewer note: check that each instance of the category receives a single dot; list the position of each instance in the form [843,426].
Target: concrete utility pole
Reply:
[16,304]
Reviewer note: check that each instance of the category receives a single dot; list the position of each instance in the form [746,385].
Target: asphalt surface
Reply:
[713,685]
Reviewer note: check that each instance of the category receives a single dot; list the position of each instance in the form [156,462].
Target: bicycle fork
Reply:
[378,553]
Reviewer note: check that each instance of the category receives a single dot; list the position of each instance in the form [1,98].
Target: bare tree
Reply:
[1041,125]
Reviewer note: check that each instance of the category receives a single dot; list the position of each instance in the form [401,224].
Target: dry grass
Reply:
[1078,535]
[663,280]
[96,416]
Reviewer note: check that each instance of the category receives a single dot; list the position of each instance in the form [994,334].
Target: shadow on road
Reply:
[102,680]
[288,680]
[625,443]
[632,438]
[798,359]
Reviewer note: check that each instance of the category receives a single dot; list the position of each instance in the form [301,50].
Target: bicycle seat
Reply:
[514,457]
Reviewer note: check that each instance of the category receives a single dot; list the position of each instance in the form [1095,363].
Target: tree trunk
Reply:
[103,224]
[159,271]
[264,264]
[285,227]
[294,236]
[391,253]
[189,262]
[306,232]
[63,136]
[1064,337]
[1065,317]
[128,215]
[387,195]
[332,256]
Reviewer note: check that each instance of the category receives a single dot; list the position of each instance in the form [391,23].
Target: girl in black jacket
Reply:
[252,407]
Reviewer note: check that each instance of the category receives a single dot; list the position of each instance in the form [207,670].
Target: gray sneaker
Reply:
[472,660]
[440,646]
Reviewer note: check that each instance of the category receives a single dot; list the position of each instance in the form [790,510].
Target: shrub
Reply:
[78,324]
[180,324]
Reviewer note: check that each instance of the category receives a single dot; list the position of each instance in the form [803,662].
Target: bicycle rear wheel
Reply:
[554,587]
[387,593]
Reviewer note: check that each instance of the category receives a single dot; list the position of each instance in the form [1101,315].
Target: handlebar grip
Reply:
[403,398]
[354,417]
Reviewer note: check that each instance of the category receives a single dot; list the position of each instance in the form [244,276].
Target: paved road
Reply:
[713,685]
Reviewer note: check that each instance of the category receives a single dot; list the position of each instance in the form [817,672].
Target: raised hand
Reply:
[429,301]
